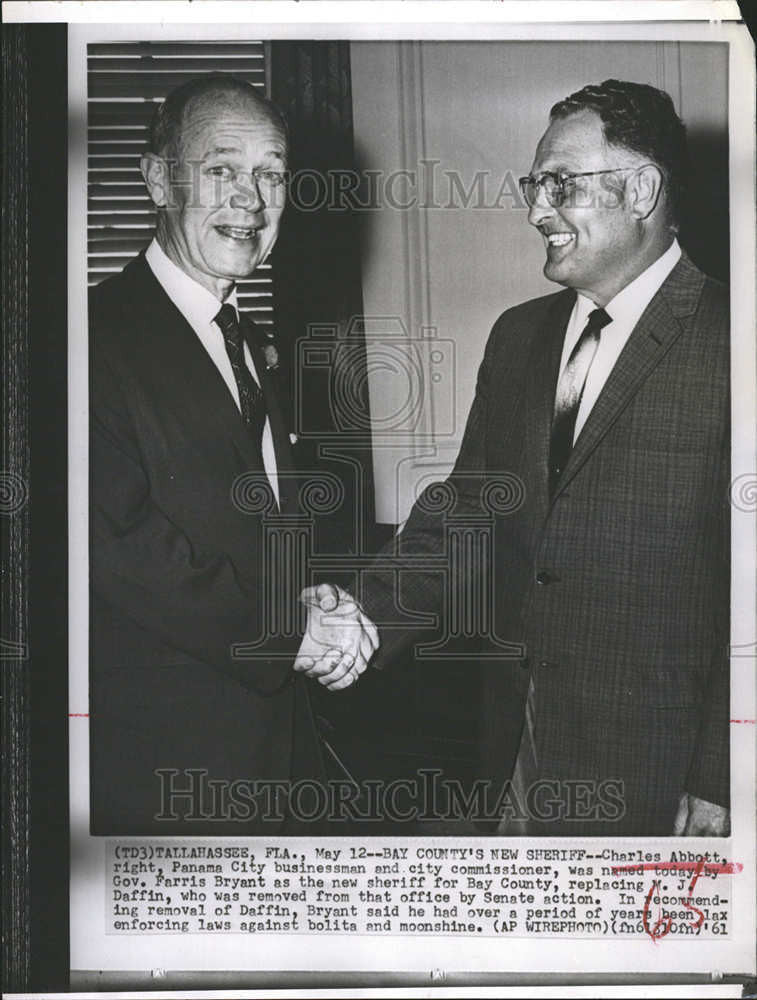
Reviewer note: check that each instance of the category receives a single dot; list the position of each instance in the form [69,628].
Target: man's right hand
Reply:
[339,638]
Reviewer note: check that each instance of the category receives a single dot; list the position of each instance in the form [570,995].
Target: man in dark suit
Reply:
[198,722]
[607,404]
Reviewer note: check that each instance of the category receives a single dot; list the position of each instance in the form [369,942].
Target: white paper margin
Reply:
[91,949]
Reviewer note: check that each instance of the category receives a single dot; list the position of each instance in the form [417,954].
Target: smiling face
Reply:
[593,241]
[220,214]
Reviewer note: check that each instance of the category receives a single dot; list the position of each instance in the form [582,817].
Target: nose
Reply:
[541,210]
[246,193]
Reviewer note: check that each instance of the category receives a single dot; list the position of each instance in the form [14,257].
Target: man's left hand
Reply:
[700,818]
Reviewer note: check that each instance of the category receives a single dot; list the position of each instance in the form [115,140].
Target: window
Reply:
[126,81]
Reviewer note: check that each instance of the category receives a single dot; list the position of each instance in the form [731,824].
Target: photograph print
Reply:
[409,423]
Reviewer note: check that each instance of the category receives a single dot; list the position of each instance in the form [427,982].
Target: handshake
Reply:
[339,638]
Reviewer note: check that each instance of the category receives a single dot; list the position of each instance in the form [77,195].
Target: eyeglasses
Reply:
[556,185]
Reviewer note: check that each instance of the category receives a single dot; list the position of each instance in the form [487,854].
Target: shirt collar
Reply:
[630,302]
[198,306]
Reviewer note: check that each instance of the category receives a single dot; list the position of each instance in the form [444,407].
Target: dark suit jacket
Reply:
[182,570]
[618,588]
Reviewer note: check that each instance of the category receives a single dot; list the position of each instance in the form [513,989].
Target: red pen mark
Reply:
[687,902]
[745,722]
[707,867]
[78,715]
[658,931]
[662,925]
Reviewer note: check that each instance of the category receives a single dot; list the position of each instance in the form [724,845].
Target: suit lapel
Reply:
[659,327]
[179,348]
[541,379]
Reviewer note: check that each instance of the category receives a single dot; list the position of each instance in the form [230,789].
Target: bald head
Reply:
[204,97]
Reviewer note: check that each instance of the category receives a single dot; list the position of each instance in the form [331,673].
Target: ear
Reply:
[155,173]
[644,190]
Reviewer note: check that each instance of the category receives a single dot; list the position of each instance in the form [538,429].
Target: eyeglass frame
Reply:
[561,177]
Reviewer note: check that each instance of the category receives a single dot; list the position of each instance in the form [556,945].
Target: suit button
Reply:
[543,578]
[547,664]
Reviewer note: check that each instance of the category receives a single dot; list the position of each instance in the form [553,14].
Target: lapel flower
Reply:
[270,354]
[264,340]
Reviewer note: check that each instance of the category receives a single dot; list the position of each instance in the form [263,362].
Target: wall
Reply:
[449,263]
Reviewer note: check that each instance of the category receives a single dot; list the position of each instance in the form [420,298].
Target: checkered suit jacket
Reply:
[617,588]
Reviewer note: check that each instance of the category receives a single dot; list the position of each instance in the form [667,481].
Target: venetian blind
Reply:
[125,82]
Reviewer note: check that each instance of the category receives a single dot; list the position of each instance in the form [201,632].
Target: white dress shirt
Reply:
[625,310]
[199,307]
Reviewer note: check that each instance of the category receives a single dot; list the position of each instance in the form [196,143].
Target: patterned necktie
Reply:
[570,389]
[251,399]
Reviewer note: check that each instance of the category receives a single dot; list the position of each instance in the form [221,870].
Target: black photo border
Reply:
[35,840]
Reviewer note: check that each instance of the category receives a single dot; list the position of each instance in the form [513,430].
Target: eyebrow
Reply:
[223,150]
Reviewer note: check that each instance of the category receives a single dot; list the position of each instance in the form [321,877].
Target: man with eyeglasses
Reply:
[187,736]
[608,401]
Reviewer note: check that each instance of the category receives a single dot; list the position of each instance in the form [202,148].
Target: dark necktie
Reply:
[251,399]
[570,389]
